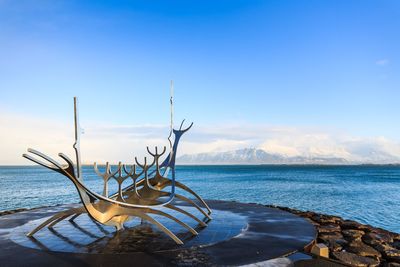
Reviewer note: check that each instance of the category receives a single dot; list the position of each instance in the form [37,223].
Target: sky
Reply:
[309,78]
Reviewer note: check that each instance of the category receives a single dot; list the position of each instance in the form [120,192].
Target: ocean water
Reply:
[368,194]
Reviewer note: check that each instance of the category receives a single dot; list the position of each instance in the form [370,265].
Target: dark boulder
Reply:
[351,234]
[348,224]
[381,237]
[388,252]
[362,249]
[354,260]
[329,228]
[326,219]
[396,244]
[334,242]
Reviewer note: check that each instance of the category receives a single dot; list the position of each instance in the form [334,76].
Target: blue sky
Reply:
[325,65]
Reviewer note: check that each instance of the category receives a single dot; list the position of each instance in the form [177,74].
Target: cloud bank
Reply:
[104,142]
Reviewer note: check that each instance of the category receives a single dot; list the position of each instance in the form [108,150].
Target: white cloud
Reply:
[300,141]
[20,132]
[219,145]
[122,142]
[305,143]
[99,143]
[382,62]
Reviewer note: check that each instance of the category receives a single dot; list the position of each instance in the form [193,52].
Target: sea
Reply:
[366,193]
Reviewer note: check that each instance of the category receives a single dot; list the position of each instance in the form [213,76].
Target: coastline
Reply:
[349,242]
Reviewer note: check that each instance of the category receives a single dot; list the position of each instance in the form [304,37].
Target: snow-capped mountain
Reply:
[254,156]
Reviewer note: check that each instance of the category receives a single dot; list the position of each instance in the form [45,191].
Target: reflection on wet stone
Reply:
[86,236]
[238,234]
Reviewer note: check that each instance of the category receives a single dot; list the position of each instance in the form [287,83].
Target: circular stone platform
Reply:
[238,234]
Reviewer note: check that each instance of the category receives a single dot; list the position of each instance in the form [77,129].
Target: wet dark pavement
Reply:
[239,234]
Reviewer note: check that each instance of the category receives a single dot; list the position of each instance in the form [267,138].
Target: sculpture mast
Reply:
[77,144]
[171,101]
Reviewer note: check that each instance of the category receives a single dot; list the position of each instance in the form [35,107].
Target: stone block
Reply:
[321,250]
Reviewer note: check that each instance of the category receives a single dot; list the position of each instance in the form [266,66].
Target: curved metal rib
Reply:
[183,198]
[169,216]
[203,224]
[187,189]
[163,228]
[163,182]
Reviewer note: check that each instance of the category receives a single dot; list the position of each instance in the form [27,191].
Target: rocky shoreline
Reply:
[349,242]
[7,212]
[353,243]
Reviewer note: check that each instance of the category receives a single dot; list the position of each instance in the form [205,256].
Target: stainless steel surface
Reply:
[77,144]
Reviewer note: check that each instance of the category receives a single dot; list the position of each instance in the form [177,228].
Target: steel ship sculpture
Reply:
[146,196]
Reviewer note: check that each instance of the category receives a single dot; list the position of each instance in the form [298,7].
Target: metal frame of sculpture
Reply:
[143,198]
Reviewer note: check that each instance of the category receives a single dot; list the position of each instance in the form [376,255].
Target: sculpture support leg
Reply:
[56,217]
[158,212]
[203,224]
[143,215]
[162,228]
[184,187]
[192,203]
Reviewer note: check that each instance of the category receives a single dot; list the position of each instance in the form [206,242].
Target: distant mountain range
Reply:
[255,156]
